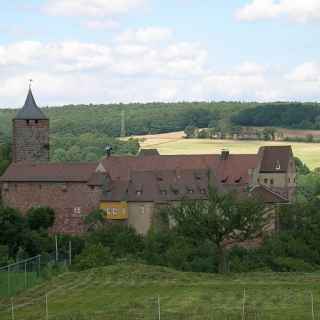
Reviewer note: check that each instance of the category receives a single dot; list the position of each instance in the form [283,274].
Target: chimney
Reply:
[224,154]
[109,150]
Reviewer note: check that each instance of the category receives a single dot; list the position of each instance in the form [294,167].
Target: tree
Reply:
[40,218]
[301,167]
[95,219]
[59,155]
[190,131]
[13,229]
[222,217]
[93,256]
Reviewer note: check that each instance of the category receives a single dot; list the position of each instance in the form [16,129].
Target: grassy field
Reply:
[132,291]
[173,143]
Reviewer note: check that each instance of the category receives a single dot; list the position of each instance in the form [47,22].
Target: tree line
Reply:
[287,115]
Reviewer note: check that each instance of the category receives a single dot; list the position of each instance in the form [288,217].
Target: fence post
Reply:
[57,252]
[39,266]
[47,309]
[312,307]
[9,284]
[25,276]
[12,309]
[70,253]
[244,304]
[159,309]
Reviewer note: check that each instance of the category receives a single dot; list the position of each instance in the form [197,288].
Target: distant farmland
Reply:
[174,143]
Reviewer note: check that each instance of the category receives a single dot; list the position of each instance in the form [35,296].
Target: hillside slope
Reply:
[131,292]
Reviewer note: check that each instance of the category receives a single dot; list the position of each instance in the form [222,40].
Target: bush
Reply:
[40,218]
[122,240]
[93,256]
[13,228]
[288,264]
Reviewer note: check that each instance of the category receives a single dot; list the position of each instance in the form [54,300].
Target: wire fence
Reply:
[48,307]
[19,276]
[25,274]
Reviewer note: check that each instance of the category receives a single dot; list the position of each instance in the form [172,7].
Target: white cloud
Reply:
[135,70]
[91,8]
[308,71]
[297,10]
[107,24]
[145,35]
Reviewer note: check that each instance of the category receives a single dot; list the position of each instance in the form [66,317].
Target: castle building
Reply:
[131,189]
[30,133]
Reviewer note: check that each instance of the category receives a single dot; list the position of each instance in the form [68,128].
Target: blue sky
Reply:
[100,51]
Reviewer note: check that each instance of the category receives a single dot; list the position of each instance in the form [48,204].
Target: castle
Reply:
[130,189]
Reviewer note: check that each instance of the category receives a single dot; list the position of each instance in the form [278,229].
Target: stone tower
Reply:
[30,133]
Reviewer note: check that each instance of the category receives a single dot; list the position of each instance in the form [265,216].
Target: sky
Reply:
[106,51]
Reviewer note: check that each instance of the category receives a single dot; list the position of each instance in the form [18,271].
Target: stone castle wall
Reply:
[30,140]
[70,201]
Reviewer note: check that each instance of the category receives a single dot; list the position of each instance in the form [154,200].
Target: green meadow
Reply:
[140,292]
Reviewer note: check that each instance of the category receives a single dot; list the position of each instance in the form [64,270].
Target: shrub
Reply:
[122,240]
[288,264]
[40,218]
[93,256]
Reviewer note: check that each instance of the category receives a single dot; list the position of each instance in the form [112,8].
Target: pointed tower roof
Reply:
[30,110]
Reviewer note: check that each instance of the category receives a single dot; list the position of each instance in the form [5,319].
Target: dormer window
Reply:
[238,180]
[225,180]
[190,190]
[278,166]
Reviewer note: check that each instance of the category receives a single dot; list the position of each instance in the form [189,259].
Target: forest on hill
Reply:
[81,132]
[285,115]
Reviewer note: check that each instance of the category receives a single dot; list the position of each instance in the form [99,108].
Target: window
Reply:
[203,191]
[163,192]
[271,181]
[139,192]
[28,122]
[278,166]
[265,181]
[238,180]
[36,121]
[225,180]
[77,210]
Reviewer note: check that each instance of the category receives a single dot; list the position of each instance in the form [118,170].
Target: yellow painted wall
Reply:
[115,210]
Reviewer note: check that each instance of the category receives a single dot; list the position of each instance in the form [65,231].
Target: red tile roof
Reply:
[159,186]
[275,158]
[49,172]
[234,168]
